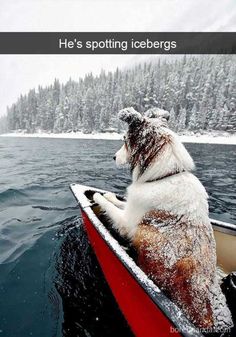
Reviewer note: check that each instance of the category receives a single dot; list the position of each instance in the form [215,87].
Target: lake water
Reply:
[47,287]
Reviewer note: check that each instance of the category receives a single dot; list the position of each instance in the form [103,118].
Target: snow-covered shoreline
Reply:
[71,135]
[207,139]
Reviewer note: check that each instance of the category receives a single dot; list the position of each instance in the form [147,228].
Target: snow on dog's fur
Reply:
[166,218]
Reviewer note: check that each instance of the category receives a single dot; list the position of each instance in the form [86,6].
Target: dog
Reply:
[166,219]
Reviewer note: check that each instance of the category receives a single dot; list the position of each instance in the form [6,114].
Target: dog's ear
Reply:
[130,116]
[157,113]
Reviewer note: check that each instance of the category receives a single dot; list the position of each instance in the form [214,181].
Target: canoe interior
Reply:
[225,240]
[225,249]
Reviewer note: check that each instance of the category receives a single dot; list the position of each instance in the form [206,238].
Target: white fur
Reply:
[113,199]
[122,156]
[173,194]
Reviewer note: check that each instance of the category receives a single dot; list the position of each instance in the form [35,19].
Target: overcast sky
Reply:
[19,73]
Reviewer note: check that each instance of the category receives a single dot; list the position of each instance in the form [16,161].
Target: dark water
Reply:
[46,284]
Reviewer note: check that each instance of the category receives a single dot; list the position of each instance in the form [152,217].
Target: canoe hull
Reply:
[139,310]
[148,311]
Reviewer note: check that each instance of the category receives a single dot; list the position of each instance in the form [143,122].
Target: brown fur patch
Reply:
[169,260]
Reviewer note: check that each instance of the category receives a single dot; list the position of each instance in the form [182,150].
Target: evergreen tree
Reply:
[199,92]
[182,119]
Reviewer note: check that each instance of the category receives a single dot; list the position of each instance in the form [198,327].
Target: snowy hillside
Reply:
[198,91]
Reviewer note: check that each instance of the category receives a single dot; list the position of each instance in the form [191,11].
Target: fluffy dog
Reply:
[166,219]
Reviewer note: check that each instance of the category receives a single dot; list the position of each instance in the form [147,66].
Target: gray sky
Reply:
[19,73]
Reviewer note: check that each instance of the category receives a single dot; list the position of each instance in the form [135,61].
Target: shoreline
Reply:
[202,139]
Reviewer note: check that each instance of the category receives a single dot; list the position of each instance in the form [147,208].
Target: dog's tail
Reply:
[221,313]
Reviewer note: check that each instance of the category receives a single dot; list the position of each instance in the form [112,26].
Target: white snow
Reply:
[71,135]
[207,138]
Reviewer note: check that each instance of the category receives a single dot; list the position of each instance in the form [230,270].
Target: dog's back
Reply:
[177,250]
[165,244]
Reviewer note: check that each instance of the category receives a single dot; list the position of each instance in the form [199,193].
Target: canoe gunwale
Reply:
[169,309]
[223,227]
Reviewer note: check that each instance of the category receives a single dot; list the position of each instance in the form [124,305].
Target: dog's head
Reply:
[149,141]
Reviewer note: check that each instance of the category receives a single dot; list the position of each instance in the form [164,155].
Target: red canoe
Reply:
[147,310]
